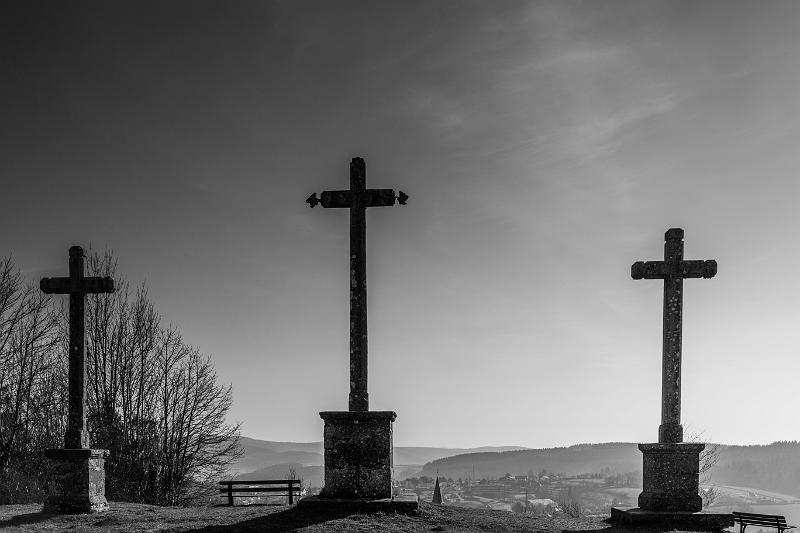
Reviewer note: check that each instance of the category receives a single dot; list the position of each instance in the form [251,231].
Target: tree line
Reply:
[153,400]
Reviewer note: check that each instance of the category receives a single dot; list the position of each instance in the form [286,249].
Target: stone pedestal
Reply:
[671,477]
[681,520]
[670,498]
[358,454]
[79,482]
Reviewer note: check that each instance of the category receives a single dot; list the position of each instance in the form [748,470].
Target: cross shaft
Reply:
[77,286]
[673,269]
[357,199]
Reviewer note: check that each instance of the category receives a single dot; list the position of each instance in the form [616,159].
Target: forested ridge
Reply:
[774,467]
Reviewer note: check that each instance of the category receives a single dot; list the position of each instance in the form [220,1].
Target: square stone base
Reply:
[79,481]
[677,519]
[671,477]
[405,504]
[358,454]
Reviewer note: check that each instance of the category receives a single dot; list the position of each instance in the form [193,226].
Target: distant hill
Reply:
[261,454]
[773,467]
[419,455]
[309,474]
[618,457]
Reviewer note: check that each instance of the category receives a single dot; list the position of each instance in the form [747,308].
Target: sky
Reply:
[545,147]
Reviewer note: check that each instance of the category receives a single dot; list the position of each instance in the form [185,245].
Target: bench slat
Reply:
[259,489]
[760,519]
[769,518]
[261,482]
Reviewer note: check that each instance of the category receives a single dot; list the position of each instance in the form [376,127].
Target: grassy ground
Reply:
[130,517]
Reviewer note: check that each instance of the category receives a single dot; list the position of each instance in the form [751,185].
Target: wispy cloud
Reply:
[599,135]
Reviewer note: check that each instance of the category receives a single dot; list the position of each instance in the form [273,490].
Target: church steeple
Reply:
[437,492]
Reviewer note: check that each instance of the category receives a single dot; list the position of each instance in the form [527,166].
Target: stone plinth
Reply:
[674,519]
[79,481]
[671,477]
[358,454]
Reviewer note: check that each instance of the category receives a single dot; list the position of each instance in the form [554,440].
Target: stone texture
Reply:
[682,520]
[358,454]
[673,269]
[358,443]
[671,472]
[671,476]
[358,199]
[79,481]
[77,286]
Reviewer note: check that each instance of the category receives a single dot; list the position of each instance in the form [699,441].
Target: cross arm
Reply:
[699,269]
[649,270]
[661,270]
[87,285]
[368,198]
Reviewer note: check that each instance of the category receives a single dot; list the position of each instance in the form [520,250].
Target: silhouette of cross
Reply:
[77,286]
[357,199]
[673,269]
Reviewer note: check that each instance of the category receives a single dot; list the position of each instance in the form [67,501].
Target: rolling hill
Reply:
[276,457]
[773,467]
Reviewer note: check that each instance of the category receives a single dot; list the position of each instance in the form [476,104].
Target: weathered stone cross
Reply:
[357,199]
[77,286]
[673,269]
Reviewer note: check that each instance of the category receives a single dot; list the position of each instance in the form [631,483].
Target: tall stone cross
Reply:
[77,286]
[673,269]
[358,199]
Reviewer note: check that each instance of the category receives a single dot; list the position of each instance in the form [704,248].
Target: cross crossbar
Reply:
[663,270]
[366,198]
[87,285]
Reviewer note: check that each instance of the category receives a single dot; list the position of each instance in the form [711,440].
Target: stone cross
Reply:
[673,269]
[357,199]
[77,286]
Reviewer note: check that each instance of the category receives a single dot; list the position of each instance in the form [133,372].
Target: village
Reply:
[545,493]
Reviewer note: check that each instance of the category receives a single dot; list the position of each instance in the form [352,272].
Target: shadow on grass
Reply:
[288,520]
[640,528]
[28,518]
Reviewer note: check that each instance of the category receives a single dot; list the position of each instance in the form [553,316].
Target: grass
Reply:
[131,517]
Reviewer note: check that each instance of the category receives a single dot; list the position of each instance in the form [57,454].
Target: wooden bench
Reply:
[764,520]
[244,488]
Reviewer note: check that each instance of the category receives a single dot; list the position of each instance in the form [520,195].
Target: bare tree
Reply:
[199,444]
[154,400]
[709,457]
[29,335]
